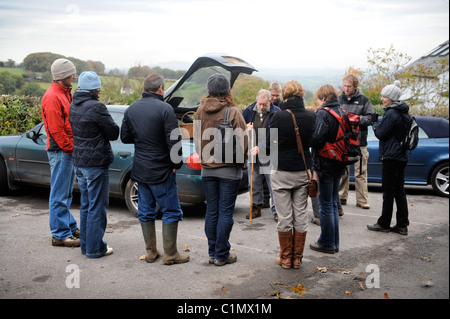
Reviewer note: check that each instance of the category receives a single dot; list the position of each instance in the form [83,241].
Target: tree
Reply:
[8,83]
[40,62]
[385,68]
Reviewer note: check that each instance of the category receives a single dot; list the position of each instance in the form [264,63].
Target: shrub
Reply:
[19,113]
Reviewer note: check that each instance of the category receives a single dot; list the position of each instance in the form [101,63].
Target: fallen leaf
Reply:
[277,283]
[322,269]
[186,249]
[386,296]
[348,292]
[298,289]
[224,288]
[362,286]
[142,257]
[346,272]
[15,215]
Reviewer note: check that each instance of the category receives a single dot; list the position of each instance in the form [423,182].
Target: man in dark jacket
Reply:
[152,126]
[390,131]
[258,117]
[353,101]
[93,129]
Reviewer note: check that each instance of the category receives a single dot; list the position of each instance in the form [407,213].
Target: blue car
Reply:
[23,158]
[427,164]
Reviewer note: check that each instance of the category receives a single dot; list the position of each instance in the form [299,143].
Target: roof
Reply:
[441,51]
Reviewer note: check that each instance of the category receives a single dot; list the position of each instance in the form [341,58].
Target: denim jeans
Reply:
[220,196]
[328,212]
[94,188]
[393,189]
[165,195]
[62,222]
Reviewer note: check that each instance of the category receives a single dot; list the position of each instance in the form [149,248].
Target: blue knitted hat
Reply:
[89,81]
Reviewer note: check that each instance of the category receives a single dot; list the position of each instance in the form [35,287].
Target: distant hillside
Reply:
[310,79]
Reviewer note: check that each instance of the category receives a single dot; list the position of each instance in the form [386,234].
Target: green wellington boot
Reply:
[149,232]
[171,255]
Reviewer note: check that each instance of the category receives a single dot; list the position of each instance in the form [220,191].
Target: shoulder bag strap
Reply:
[299,143]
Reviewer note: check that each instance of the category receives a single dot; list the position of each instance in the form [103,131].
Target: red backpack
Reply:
[345,148]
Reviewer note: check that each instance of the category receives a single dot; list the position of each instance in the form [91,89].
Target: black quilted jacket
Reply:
[93,128]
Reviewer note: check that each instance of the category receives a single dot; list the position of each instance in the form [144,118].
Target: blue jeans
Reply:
[94,188]
[165,195]
[62,222]
[328,212]
[220,196]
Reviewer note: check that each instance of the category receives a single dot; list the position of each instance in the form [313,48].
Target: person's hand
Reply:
[254,151]
[374,117]
[250,125]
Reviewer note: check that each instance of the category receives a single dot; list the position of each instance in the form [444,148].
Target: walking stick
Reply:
[251,178]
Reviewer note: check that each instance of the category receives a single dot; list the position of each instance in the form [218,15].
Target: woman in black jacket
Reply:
[330,171]
[288,177]
[93,128]
[390,131]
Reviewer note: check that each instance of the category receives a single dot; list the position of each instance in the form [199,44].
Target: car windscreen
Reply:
[194,89]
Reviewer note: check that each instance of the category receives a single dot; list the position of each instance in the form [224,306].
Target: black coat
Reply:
[93,128]
[289,159]
[151,125]
[390,131]
[326,131]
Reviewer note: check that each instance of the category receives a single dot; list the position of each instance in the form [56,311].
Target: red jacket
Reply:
[55,107]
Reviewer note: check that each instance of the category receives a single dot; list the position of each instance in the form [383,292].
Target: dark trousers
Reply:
[393,189]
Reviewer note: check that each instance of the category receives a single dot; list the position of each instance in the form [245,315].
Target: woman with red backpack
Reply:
[329,170]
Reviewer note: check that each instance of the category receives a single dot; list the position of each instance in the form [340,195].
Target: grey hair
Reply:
[153,82]
[264,93]
[275,86]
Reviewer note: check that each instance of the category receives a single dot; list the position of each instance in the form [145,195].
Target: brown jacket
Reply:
[209,115]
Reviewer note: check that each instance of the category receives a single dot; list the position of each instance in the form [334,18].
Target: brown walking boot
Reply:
[256,211]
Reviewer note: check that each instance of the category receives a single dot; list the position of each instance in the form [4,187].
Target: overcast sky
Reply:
[267,34]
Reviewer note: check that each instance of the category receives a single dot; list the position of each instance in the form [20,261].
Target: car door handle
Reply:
[124,154]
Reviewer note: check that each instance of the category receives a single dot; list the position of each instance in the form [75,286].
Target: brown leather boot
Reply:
[299,245]
[256,211]
[285,258]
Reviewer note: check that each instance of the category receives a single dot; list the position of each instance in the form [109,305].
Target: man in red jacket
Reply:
[55,114]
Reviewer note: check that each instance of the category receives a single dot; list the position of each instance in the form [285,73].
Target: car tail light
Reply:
[193,161]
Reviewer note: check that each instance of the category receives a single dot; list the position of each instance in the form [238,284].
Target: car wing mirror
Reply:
[32,135]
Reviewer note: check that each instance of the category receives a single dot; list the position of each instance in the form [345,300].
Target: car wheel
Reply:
[131,197]
[439,180]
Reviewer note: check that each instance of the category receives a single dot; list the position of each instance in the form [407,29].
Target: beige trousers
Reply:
[361,190]
[291,199]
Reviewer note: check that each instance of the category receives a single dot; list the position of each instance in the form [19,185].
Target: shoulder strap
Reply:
[299,143]
[226,117]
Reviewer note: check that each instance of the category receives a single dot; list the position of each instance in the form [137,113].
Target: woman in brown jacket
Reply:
[221,178]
